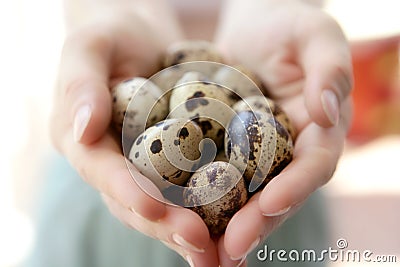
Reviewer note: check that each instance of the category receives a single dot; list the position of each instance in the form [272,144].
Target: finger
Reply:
[207,258]
[176,221]
[188,231]
[225,259]
[325,57]
[103,166]
[247,229]
[316,154]
[83,101]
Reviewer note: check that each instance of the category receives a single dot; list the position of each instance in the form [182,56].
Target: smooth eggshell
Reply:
[137,104]
[205,103]
[167,151]
[258,145]
[240,80]
[193,50]
[264,104]
[220,178]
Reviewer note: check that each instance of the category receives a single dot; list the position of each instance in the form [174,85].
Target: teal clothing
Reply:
[75,229]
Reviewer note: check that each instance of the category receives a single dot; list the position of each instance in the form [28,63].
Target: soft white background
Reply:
[31,39]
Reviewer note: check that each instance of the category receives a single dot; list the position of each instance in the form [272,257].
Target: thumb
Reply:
[83,101]
[326,60]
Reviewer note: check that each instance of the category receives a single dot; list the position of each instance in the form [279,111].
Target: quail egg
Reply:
[258,145]
[240,80]
[218,178]
[265,104]
[221,156]
[172,76]
[137,104]
[205,103]
[189,51]
[167,152]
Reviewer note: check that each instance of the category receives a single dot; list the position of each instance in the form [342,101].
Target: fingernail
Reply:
[81,121]
[250,249]
[330,104]
[278,213]
[189,260]
[136,213]
[179,240]
[241,262]
[142,217]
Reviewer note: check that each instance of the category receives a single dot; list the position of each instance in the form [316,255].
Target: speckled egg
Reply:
[193,50]
[258,145]
[265,104]
[205,103]
[167,151]
[216,179]
[221,156]
[168,78]
[137,104]
[240,80]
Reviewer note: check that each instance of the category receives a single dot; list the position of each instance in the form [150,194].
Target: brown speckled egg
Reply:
[265,104]
[193,50]
[240,80]
[205,103]
[221,156]
[217,178]
[191,77]
[168,78]
[259,145]
[167,151]
[137,104]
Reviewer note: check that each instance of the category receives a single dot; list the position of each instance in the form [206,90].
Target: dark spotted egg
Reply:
[206,103]
[137,104]
[217,178]
[242,81]
[167,151]
[265,104]
[258,145]
[193,50]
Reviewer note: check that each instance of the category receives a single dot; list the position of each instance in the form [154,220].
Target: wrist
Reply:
[81,13]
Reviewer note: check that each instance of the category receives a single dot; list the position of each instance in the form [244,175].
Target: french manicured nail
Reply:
[278,213]
[136,213]
[179,240]
[189,260]
[250,249]
[241,262]
[81,121]
[141,216]
[330,104]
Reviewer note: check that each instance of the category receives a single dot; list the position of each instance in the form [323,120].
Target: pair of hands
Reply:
[297,50]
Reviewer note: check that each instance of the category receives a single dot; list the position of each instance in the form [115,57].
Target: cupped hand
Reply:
[94,58]
[304,59]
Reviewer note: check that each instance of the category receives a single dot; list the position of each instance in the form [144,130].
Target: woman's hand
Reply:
[102,48]
[304,58]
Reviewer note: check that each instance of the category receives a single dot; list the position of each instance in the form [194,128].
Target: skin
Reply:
[307,55]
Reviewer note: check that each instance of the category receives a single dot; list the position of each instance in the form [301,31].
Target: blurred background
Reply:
[364,195]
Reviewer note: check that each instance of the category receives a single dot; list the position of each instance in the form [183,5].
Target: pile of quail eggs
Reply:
[202,131]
